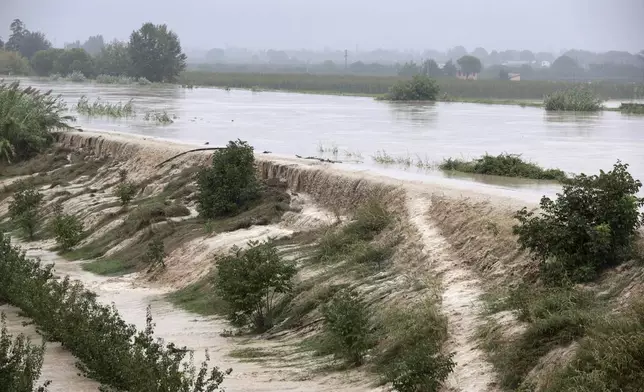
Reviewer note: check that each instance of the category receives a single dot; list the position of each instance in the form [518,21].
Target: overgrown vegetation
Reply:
[507,165]
[578,99]
[347,325]
[156,253]
[24,209]
[159,117]
[20,362]
[108,349]
[230,182]
[125,190]
[121,79]
[67,229]
[107,109]
[250,281]
[28,118]
[590,226]
[419,88]
[632,108]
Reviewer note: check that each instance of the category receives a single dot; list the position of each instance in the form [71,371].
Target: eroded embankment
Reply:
[440,246]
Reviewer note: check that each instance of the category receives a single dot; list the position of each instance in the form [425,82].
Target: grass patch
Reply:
[200,298]
[98,108]
[506,165]
[577,99]
[250,353]
[160,117]
[555,317]
[109,267]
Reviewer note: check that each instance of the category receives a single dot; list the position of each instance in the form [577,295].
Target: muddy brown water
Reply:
[289,123]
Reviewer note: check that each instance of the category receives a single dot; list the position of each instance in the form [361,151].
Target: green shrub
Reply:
[108,349]
[99,108]
[591,225]
[577,99]
[229,183]
[28,118]
[155,253]
[347,327]
[24,209]
[248,280]
[507,165]
[412,358]
[67,229]
[20,362]
[419,88]
[126,191]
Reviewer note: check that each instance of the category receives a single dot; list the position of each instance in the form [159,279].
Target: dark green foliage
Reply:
[156,53]
[108,349]
[24,210]
[43,61]
[229,183]
[27,118]
[13,63]
[470,65]
[20,362]
[411,358]
[67,229]
[74,60]
[25,42]
[113,60]
[578,99]
[507,165]
[591,225]
[632,108]
[126,191]
[249,280]
[419,88]
[156,253]
[348,327]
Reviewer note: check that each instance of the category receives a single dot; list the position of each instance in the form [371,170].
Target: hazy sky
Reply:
[338,24]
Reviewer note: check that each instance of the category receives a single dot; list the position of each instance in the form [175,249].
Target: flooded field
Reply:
[353,129]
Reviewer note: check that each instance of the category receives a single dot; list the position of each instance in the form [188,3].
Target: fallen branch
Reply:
[318,159]
[189,151]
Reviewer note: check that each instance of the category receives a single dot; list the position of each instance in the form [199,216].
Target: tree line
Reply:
[153,52]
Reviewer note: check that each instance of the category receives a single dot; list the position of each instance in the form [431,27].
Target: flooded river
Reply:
[287,123]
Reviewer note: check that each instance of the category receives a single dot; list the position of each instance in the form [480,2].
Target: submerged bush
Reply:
[67,229]
[507,165]
[229,183]
[109,350]
[578,99]
[20,362]
[591,225]
[100,108]
[27,119]
[419,88]
[24,209]
[111,79]
[159,117]
[348,328]
[249,280]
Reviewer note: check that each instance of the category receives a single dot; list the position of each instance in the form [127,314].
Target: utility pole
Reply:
[346,56]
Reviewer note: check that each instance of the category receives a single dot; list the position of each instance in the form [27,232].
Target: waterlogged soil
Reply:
[355,128]
[132,298]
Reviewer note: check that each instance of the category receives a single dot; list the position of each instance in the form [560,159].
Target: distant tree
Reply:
[544,56]
[156,53]
[358,67]
[72,45]
[494,58]
[13,63]
[456,52]
[470,65]
[26,42]
[43,61]
[72,60]
[482,54]
[526,71]
[328,65]
[277,57]
[565,66]
[18,31]
[113,60]
[449,69]
[504,74]
[94,45]
[509,55]
[215,55]
[409,69]
[431,69]
[1,44]
[526,55]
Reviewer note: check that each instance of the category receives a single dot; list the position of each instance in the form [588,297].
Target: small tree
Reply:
[67,229]
[470,65]
[24,210]
[156,53]
[419,88]
[20,362]
[229,183]
[249,280]
[156,253]
[591,225]
[125,190]
[347,324]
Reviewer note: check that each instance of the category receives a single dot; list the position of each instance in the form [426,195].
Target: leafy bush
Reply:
[76,76]
[24,209]
[109,350]
[577,99]
[20,362]
[412,359]
[348,327]
[100,108]
[12,63]
[229,183]
[159,117]
[28,117]
[67,229]
[125,190]
[248,280]
[591,225]
[156,253]
[507,165]
[419,88]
